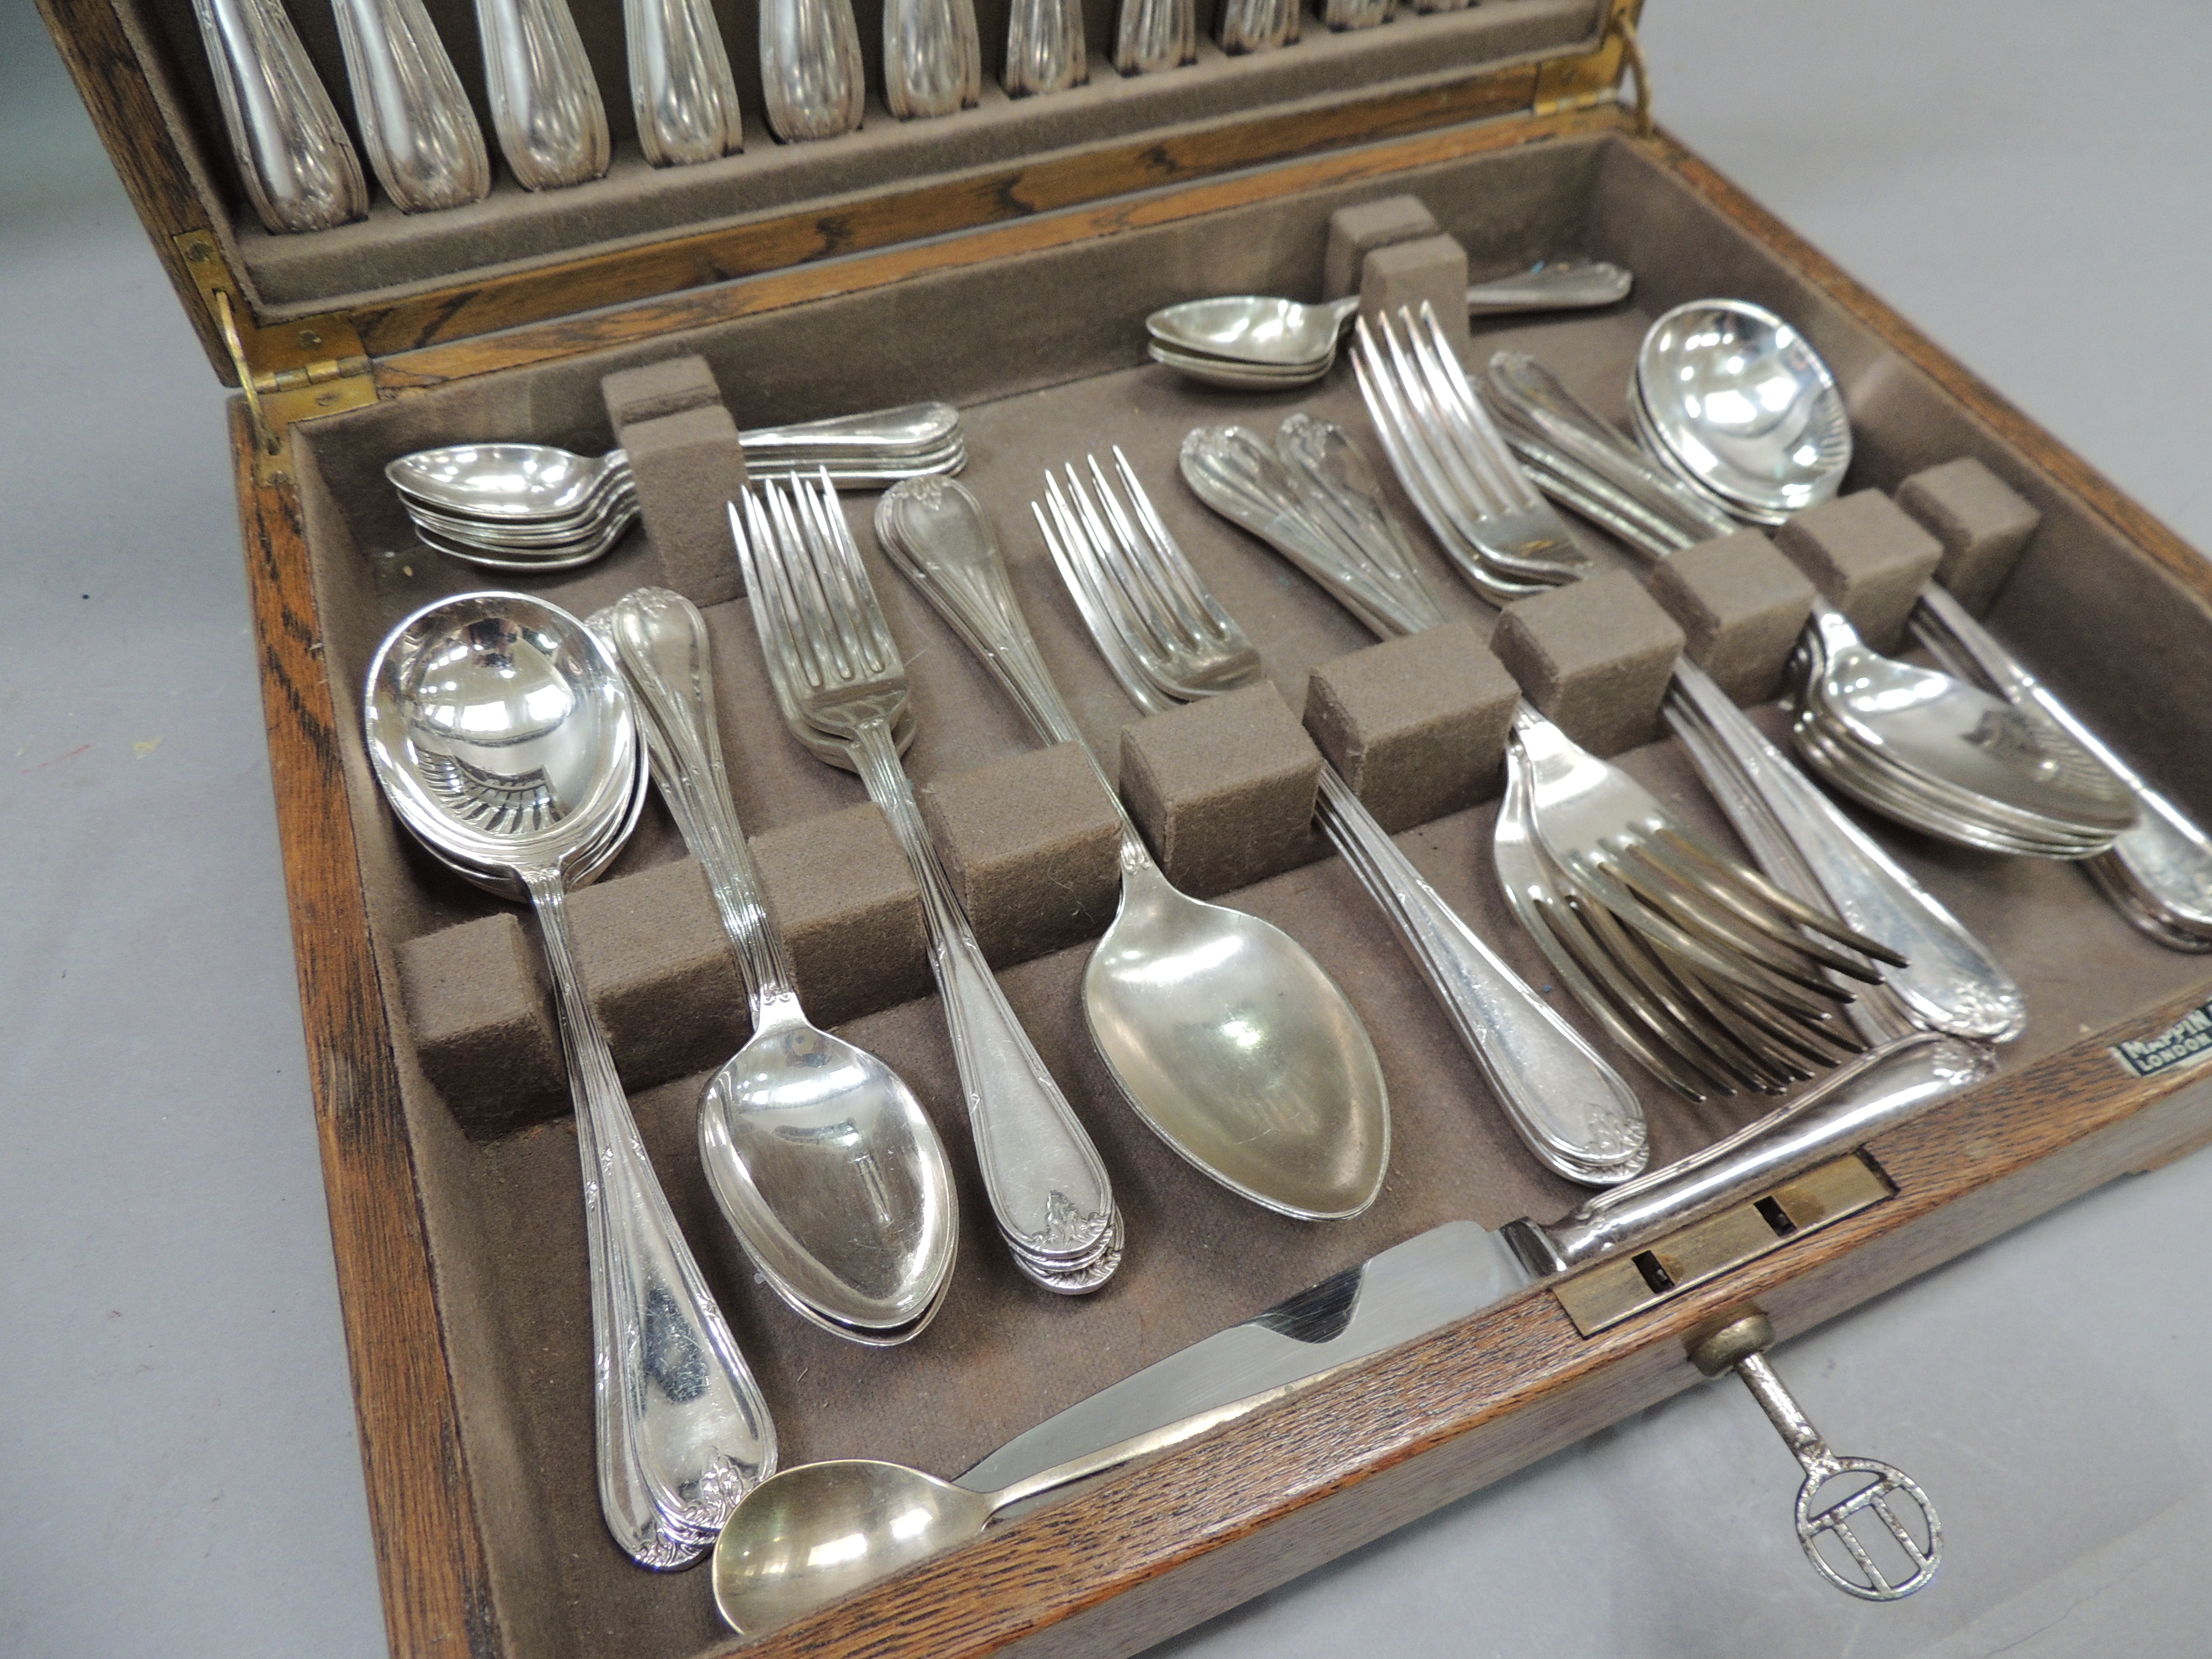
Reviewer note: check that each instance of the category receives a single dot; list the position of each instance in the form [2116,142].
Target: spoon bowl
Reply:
[1238,1051]
[505,481]
[1741,402]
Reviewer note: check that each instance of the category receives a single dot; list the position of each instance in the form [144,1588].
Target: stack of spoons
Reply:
[1247,343]
[535,508]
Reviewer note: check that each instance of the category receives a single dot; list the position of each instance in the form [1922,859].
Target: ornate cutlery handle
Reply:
[1155,34]
[907,428]
[1341,14]
[809,56]
[545,104]
[1857,1101]
[1047,1186]
[1950,982]
[933,57]
[683,1432]
[1044,47]
[298,166]
[1256,25]
[680,85]
[661,639]
[1571,1108]
[422,136]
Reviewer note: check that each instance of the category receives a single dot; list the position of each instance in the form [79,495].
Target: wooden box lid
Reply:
[316,307]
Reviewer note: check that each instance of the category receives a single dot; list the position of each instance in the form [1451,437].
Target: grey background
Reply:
[177,1465]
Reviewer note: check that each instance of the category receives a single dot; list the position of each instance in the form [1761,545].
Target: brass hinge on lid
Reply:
[289,371]
[1585,83]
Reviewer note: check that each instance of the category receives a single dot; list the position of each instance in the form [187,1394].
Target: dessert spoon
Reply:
[1286,337]
[1223,1034]
[824,1164]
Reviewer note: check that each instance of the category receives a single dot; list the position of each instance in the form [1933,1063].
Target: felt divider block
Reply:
[1405,274]
[688,468]
[482,1021]
[1357,231]
[1868,557]
[1741,606]
[1033,849]
[668,387]
[1596,656]
[1223,789]
[660,971]
[844,896]
[1982,523]
[1416,726]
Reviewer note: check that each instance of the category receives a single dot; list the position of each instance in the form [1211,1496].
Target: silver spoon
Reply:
[1950,736]
[504,738]
[825,1165]
[1286,337]
[1224,1034]
[821,1531]
[517,481]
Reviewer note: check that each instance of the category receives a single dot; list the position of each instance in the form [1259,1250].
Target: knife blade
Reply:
[1460,1267]
[1406,1290]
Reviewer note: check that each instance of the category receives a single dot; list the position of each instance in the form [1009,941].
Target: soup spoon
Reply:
[504,738]
[1283,335]
[823,1162]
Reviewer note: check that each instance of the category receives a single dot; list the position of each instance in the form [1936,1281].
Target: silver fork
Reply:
[1496,524]
[1169,641]
[837,671]
[1683,963]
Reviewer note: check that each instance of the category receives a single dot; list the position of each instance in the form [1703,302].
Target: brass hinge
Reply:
[1594,78]
[289,371]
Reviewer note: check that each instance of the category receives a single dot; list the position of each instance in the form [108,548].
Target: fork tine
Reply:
[1166,612]
[1143,613]
[1172,562]
[830,584]
[1463,482]
[1441,405]
[799,589]
[1474,423]
[1072,557]
[865,611]
[788,669]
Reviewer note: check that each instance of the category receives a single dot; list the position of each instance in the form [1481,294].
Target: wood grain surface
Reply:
[429,1554]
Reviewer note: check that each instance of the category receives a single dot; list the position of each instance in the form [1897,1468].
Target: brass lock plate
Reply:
[1614,1289]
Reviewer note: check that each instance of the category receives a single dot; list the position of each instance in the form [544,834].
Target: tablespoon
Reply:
[1284,334]
[1225,1036]
[504,738]
[823,1161]
[821,1531]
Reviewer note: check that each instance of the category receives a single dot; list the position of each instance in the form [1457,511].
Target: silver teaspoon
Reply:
[1222,1033]
[825,1165]
[504,740]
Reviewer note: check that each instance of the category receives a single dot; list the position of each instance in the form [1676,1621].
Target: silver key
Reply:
[1856,1517]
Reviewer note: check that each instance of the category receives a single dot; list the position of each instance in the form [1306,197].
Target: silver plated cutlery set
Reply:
[516,742]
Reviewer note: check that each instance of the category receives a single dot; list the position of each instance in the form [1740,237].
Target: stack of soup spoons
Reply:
[535,508]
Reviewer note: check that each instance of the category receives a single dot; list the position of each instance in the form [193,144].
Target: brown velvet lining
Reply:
[1044,379]
[391,254]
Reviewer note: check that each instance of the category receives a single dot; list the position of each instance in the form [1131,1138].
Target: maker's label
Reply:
[2187,1039]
